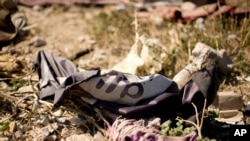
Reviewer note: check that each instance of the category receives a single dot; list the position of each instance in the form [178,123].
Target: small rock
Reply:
[75,121]
[37,42]
[247,108]
[231,37]
[204,55]
[228,113]
[63,121]
[247,78]
[228,101]
[231,117]
[65,132]
[22,128]
[44,132]
[157,20]
[4,86]
[86,39]
[38,7]
[58,113]
[52,127]
[199,24]
[44,120]
[12,127]
[18,134]
[188,6]
[25,89]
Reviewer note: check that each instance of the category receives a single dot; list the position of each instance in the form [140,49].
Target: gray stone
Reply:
[204,55]
[37,42]
[18,134]
[43,119]
[231,117]
[228,101]
[231,37]
[13,127]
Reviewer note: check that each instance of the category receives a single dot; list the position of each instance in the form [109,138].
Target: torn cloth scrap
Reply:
[126,94]
[138,130]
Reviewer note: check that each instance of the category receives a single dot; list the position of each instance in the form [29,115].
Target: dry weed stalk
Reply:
[199,123]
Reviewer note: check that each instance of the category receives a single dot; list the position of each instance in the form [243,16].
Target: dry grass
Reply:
[116,30]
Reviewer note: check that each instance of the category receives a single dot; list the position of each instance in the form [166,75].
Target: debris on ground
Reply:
[58,82]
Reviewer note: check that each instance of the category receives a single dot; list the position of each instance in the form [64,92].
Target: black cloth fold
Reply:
[125,94]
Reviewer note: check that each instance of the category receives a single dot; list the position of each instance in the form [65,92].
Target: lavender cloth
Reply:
[129,95]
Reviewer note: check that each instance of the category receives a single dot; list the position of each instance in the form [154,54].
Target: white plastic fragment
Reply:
[146,54]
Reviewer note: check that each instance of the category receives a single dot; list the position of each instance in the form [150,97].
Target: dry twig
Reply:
[199,123]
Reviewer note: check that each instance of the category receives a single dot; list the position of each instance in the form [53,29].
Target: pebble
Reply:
[3,85]
[25,89]
[18,134]
[12,127]
[65,132]
[188,6]
[58,113]
[37,42]
[247,78]
[38,8]
[44,120]
[231,37]
[199,24]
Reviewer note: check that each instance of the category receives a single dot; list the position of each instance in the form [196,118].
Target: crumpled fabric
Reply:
[203,85]
[7,29]
[125,94]
[138,130]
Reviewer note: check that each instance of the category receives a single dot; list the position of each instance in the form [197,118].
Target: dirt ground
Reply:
[64,29]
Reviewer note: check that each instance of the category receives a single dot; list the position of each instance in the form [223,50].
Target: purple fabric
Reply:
[137,130]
